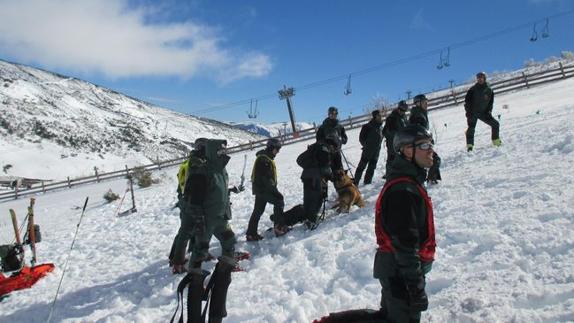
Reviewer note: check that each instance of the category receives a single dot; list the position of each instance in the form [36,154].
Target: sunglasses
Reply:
[424,146]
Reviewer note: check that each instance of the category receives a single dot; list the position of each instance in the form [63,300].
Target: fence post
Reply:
[350,122]
[16,191]
[69,184]
[97,175]
[562,69]
[127,171]
[158,163]
[454,96]
[315,127]
[43,188]
[525,79]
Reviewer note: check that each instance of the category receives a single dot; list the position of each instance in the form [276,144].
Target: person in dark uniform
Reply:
[393,123]
[478,104]
[332,129]
[370,138]
[419,116]
[205,203]
[404,226]
[264,187]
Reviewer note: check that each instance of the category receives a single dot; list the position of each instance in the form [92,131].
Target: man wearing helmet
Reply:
[419,116]
[264,187]
[478,104]
[404,226]
[393,123]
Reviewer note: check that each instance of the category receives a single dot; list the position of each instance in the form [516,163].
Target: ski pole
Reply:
[67,259]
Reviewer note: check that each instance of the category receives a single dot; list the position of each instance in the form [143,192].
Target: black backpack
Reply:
[307,158]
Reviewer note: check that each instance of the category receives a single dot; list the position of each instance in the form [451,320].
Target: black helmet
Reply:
[199,143]
[333,110]
[419,97]
[481,74]
[403,106]
[375,113]
[273,143]
[409,135]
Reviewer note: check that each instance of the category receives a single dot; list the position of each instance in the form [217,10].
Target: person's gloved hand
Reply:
[418,300]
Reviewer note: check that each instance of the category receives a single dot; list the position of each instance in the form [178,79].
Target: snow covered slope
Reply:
[67,126]
[272,129]
[504,221]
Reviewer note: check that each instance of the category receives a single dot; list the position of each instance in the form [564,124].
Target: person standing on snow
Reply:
[264,187]
[205,203]
[197,152]
[332,129]
[419,116]
[393,123]
[404,227]
[478,104]
[370,138]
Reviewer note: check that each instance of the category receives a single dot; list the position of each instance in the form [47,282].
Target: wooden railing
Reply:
[452,98]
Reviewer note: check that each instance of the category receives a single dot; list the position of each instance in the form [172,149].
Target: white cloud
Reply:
[107,37]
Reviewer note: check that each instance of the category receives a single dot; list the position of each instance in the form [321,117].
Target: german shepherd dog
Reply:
[348,192]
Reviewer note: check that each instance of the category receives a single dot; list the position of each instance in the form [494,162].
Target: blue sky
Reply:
[209,58]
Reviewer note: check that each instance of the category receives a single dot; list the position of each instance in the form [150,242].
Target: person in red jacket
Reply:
[404,227]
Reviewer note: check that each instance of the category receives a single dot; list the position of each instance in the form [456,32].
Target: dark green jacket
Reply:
[264,175]
[479,99]
[405,215]
[419,116]
[394,122]
[371,138]
[332,129]
[207,181]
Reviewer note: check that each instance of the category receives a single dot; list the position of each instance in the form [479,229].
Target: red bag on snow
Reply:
[26,278]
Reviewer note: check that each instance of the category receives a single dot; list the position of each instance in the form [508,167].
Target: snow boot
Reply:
[497,142]
[253,237]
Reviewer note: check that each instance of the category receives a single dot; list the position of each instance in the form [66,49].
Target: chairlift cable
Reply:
[396,62]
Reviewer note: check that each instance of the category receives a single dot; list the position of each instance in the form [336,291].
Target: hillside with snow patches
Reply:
[52,126]
[272,129]
[504,220]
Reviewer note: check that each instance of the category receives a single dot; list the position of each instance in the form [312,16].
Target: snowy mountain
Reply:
[68,126]
[503,218]
[272,129]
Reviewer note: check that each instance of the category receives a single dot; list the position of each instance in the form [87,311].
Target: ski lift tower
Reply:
[287,93]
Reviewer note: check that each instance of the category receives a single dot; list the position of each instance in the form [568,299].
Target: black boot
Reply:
[195,295]
[217,305]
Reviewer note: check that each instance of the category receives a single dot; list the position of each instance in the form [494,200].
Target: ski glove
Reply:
[199,223]
[417,297]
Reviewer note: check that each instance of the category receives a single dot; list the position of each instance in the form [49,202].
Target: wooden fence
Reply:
[451,98]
